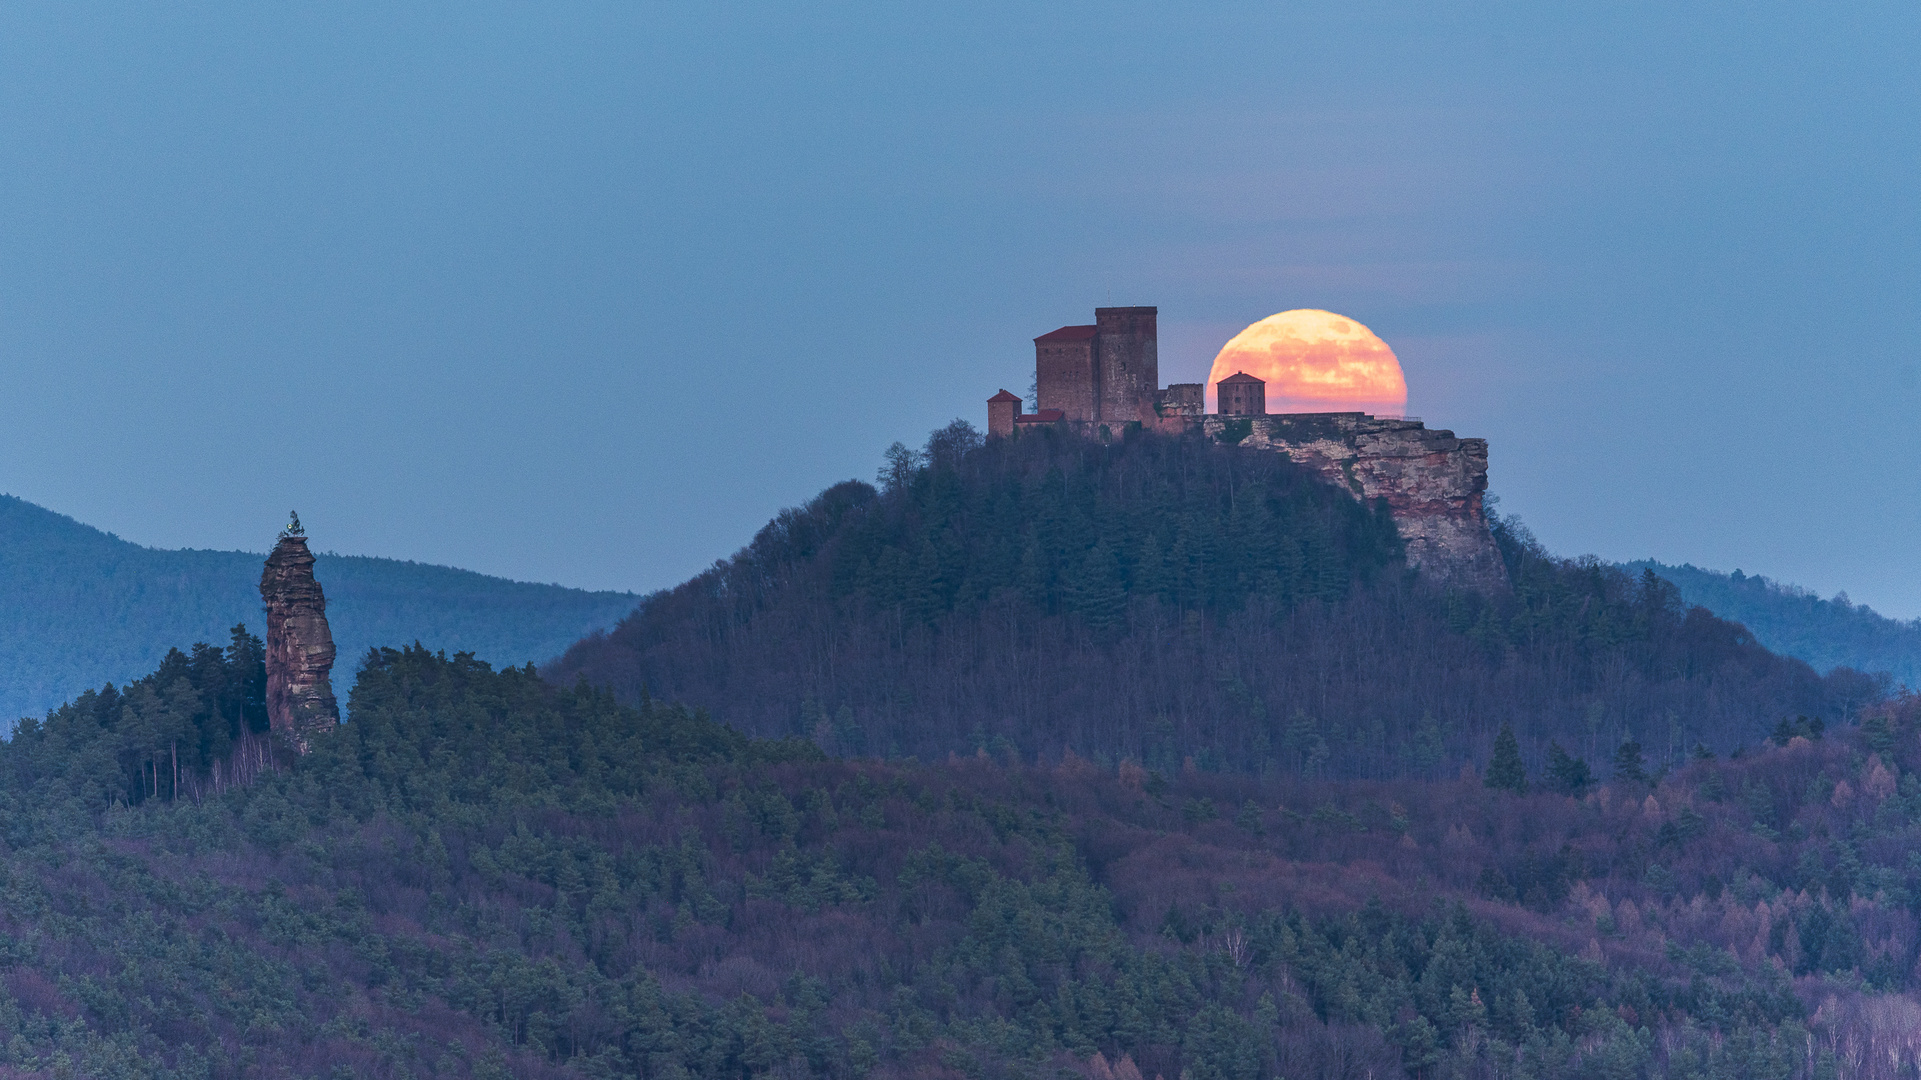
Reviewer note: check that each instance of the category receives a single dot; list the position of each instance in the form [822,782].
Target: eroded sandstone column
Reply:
[300,647]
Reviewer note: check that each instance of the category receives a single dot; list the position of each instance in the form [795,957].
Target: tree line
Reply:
[195,719]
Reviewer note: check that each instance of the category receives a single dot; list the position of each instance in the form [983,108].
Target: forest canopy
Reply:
[1210,786]
[1157,599]
[481,875]
[1827,633]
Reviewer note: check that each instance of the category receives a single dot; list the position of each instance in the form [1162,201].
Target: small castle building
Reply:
[1002,410]
[1045,416]
[1243,395]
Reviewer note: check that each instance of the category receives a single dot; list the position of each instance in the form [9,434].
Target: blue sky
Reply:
[585,292]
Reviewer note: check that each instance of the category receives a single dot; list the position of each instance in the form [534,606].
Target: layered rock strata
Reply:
[300,647]
[1433,483]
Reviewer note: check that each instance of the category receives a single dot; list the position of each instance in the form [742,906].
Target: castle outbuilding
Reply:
[1243,395]
[1045,416]
[1002,409]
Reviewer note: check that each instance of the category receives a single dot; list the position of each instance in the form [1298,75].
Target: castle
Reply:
[1103,382]
[1106,376]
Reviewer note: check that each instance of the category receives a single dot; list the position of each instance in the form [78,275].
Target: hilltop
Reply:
[80,607]
[1163,598]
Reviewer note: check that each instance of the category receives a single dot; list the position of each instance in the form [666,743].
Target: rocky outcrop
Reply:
[300,647]
[1433,482]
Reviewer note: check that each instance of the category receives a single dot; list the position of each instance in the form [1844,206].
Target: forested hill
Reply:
[80,607]
[483,876]
[1160,599]
[1794,621]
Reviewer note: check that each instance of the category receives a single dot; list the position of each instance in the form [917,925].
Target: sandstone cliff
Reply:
[300,647]
[1433,482]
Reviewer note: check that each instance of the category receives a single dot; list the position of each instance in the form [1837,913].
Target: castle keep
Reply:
[1109,372]
[1103,381]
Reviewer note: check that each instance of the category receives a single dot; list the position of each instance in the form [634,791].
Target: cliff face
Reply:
[300,647]
[1433,482]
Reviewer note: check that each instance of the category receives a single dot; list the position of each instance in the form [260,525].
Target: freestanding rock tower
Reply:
[300,647]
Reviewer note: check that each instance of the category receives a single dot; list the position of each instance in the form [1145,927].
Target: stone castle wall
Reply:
[1182,399]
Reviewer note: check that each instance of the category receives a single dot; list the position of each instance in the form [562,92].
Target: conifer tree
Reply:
[1628,764]
[1151,577]
[1566,773]
[1506,770]
[1097,593]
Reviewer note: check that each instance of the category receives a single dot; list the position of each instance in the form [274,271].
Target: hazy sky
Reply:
[585,292]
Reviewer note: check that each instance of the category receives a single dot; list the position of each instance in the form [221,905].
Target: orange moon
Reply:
[1315,361]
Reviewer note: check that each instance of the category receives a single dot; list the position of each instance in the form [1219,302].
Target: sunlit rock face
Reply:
[300,647]
[1434,483]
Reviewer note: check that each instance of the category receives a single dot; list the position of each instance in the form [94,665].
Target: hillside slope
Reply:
[80,607]
[1162,598]
[1795,622]
[483,876]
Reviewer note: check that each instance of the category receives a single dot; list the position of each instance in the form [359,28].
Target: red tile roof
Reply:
[1068,333]
[1003,396]
[1240,377]
[1045,416]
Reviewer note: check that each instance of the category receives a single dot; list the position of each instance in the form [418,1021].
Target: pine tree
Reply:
[1097,593]
[1506,770]
[1151,577]
[1566,773]
[1628,763]
[921,591]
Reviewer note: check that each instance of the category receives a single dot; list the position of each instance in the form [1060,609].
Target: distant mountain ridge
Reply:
[1794,621]
[80,607]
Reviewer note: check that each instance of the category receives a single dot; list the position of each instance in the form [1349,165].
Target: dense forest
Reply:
[1160,599]
[481,875]
[80,607]
[1044,759]
[1795,622]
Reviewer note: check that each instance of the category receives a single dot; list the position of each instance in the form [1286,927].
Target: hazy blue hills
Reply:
[1794,621]
[80,607]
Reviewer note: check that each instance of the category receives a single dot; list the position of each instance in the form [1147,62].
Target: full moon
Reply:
[1315,361]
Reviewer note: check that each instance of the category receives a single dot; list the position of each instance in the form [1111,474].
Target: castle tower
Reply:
[1002,408]
[1127,354]
[1242,395]
[1065,374]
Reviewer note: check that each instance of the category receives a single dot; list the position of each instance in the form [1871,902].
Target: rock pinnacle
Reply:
[300,647]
